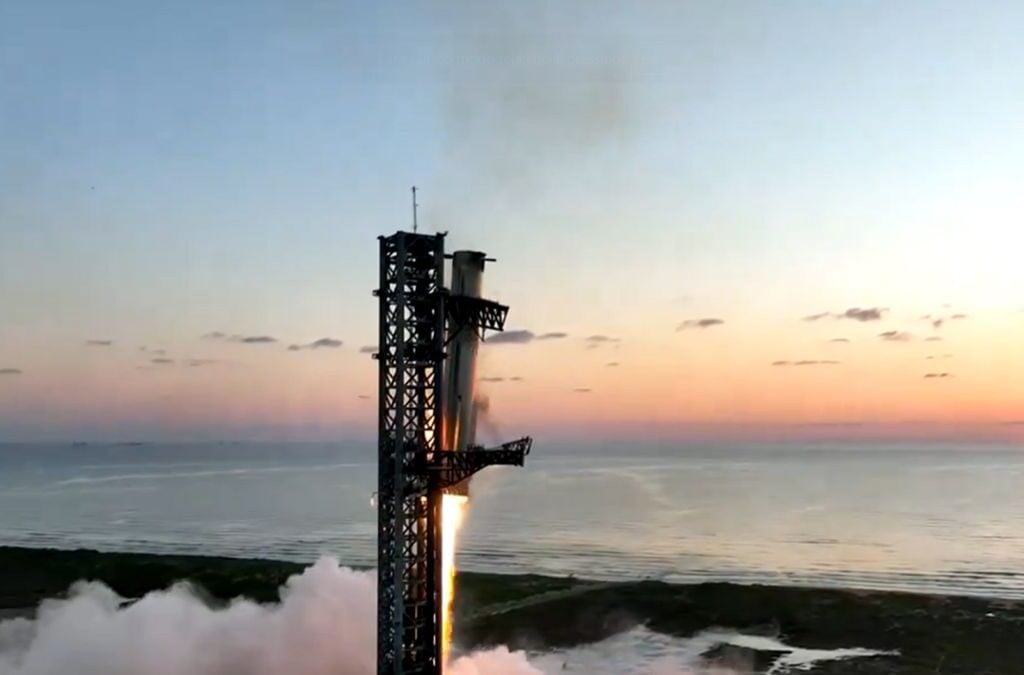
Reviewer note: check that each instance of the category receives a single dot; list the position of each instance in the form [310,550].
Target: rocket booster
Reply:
[460,366]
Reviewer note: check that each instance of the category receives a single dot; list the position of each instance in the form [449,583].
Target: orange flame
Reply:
[453,510]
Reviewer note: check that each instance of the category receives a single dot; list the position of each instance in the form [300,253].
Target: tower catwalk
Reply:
[419,317]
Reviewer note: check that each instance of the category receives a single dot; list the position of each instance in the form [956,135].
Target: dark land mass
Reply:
[942,635]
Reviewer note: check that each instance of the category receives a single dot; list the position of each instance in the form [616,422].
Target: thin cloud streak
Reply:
[198,363]
[699,323]
[895,336]
[598,340]
[322,343]
[861,314]
[511,337]
[242,339]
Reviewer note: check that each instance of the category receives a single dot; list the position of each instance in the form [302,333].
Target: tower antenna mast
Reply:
[415,225]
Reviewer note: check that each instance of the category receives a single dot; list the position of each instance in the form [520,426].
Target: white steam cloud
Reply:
[323,625]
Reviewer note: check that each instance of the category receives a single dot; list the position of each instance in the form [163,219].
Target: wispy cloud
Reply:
[853,313]
[511,337]
[929,376]
[598,340]
[364,397]
[10,371]
[243,339]
[161,361]
[368,349]
[838,340]
[158,352]
[612,364]
[99,343]
[582,390]
[699,323]
[492,379]
[806,362]
[516,378]
[934,357]
[523,336]
[198,363]
[255,339]
[934,338]
[896,336]
[938,321]
[322,343]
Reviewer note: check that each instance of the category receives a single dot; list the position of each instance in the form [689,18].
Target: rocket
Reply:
[460,408]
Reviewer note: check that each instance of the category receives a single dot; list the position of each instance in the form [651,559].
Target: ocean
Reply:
[934,519]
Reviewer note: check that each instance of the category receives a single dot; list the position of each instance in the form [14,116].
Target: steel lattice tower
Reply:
[417,318]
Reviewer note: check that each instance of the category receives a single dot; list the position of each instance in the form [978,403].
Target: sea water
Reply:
[943,519]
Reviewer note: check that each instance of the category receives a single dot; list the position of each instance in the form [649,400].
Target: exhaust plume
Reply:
[485,419]
[324,624]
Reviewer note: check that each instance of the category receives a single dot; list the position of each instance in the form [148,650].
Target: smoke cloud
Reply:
[525,101]
[324,625]
[486,421]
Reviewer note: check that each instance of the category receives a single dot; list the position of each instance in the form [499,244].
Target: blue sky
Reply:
[167,170]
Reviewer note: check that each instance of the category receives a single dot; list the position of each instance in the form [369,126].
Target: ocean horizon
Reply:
[907,517]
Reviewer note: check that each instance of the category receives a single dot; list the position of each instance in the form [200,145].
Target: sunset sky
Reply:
[691,192]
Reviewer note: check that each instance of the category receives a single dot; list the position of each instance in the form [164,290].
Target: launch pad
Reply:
[426,434]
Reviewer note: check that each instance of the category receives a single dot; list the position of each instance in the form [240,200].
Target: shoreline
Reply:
[922,633]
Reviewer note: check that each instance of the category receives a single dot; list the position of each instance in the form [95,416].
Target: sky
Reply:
[757,220]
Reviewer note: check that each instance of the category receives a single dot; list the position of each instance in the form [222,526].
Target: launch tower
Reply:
[426,426]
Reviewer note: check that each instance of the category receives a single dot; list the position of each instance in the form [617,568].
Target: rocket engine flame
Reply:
[453,510]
